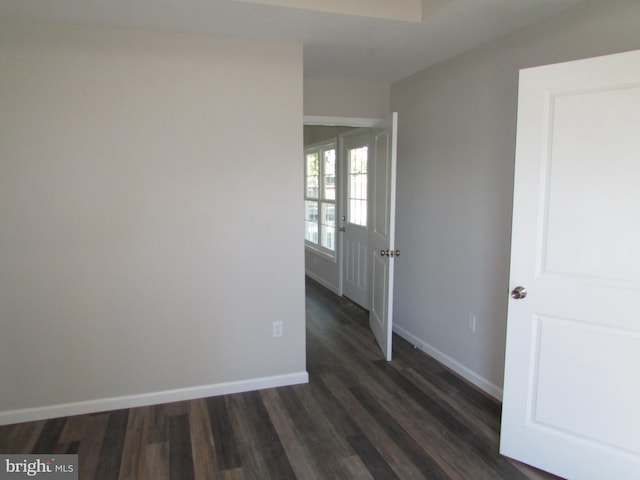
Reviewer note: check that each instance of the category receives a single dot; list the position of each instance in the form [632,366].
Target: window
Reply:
[358,159]
[320,197]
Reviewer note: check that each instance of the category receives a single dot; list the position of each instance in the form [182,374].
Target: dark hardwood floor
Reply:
[359,417]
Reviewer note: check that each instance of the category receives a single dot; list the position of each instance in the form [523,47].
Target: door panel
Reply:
[590,172]
[556,369]
[382,231]
[356,271]
[356,154]
[379,296]
[571,386]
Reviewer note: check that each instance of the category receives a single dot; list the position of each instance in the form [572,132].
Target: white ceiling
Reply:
[336,46]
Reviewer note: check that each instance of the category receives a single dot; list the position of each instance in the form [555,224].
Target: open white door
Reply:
[355,152]
[571,401]
[382,175]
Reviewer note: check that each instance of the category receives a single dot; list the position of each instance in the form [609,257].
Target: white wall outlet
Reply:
[278,329]
[471,322]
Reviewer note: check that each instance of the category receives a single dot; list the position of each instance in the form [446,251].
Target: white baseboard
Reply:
[322,282]
[479,381]
[154,398]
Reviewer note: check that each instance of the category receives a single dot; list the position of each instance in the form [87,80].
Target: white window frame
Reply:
[320,148]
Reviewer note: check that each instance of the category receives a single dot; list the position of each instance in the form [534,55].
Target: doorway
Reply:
[323,265]
[363,261]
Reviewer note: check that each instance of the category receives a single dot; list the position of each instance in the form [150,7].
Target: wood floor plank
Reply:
[180,454]
[332,408]
[333,421]
[72,449]
[477,419]
[224,439]
[304,463]
[267,438]
[74,429]
[203,450]
[359,417]
[20,437]
[233,474]
[315,432]
[455,426]
[112,446]
[368,426]
[354,468]
[158,426]
[49,436]
[371,458]
[133,444]
[429,466]
[91,445]
[436,380]
[441,446]
[261,450]
[154,462]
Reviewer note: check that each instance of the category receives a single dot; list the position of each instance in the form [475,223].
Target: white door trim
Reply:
[340,121]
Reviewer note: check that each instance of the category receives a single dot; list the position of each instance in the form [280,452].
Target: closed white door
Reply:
[571,401]
[356,150]
[382,231]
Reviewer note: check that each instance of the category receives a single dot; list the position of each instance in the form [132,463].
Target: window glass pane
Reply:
[311,221]
[358,212]
[328,226]
[312,175]
[320,184]
[329,174]
[358,186]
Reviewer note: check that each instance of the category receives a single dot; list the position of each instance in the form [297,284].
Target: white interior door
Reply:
[356,152]
[382,231]
[571,401]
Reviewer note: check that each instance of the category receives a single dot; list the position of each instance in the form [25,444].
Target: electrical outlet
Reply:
[471,322]
[278,329]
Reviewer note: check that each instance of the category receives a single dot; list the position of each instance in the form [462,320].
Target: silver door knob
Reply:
[394,253]
[384,252]
[518,293]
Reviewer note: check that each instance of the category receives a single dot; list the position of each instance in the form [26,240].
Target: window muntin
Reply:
[328,226]
[311,221]
[358,159]
[320,198]
[329,175]
[312,175]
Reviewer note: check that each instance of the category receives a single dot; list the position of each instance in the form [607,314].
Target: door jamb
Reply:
[354,122]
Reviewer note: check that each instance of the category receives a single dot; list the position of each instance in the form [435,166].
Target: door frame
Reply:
[384,336]
[331,121]
[355,122]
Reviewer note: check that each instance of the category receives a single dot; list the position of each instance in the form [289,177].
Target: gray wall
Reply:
[320,133]
[346,98]
[150,194]
[457,124]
